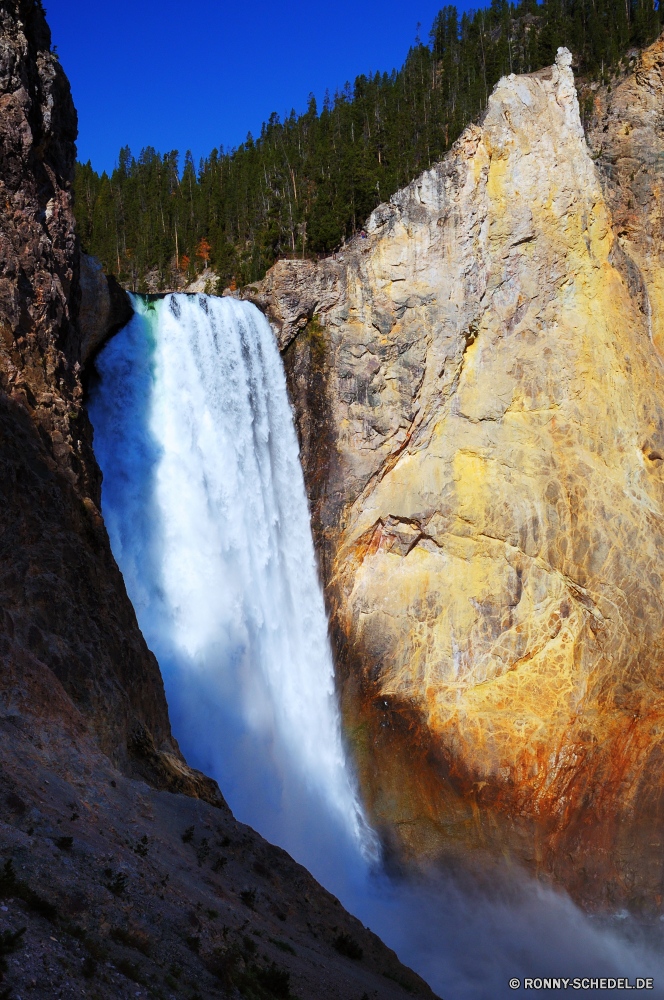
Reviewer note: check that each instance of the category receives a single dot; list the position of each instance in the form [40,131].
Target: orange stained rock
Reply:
[490,505]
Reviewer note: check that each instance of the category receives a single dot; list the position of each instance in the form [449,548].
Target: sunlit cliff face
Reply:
[489,506]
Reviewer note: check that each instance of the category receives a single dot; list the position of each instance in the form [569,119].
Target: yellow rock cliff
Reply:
[480,397]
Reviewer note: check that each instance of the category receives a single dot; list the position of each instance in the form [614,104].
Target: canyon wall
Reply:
[479,393]
[96,846]
[70,647]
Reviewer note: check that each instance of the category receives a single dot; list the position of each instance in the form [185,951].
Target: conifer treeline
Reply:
[310,181]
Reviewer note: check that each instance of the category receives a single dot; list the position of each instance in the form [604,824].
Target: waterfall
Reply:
[204,501]
[205,504]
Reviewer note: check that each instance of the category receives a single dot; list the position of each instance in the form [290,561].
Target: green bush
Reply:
[348,946]
[283,946]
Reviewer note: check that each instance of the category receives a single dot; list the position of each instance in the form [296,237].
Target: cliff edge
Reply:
[479,394]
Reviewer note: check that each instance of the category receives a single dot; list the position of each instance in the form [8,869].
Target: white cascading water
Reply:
[205,506]
[208,518]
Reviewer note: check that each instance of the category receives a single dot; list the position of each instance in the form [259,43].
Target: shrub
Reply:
[131,970]
[35,902]
[225,966]
[348,946]
[94,949]
[142,847]
[73,930]
[64,843]
[248,897]
[250,945]
[202,851]
[283,946]
[219,863]
[15,803]
[188,835]
[275,980]
[259,983]
[7,878]
[131,939]
[10,941]
[193,942]
[89,967]
[117,884]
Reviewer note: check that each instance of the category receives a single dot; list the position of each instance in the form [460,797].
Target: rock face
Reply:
[69,642]
[480,397]
[104,307]
[627,142]
[82,707]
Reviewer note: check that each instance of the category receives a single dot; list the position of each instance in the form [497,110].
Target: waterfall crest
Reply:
[205,503]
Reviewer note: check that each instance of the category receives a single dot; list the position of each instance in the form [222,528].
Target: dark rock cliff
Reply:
[69,632]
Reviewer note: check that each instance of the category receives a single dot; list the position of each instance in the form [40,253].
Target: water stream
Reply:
[206,509]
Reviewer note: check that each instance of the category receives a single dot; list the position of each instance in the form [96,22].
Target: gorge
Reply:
[475,386]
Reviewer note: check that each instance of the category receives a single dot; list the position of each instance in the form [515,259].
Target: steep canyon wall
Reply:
[70,646]
[479,393]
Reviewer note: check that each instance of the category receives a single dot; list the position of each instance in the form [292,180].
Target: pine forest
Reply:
[308,182]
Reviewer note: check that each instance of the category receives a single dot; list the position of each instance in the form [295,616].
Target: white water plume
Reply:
[208,517]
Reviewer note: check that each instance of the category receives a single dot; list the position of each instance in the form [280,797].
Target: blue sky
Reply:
[199,74]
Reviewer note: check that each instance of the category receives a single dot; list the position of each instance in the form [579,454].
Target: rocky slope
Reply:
[93,861]
[128,891]
[479,392]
